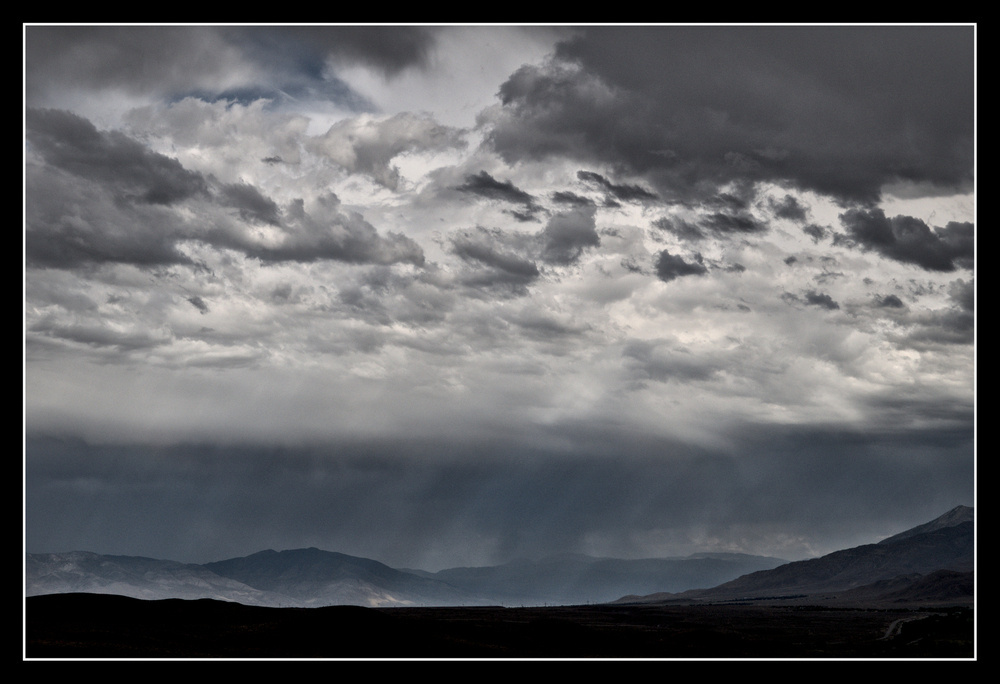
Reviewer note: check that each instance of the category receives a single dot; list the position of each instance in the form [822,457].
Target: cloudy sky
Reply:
[454,295]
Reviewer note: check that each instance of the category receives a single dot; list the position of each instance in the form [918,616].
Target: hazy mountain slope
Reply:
[948,548]
[316,578]
[304,578]
[946,543]
[135,576]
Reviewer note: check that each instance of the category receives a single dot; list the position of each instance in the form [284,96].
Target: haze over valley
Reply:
[933,562]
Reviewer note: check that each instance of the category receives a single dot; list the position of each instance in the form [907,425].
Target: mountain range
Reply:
[934,560]
[312,577]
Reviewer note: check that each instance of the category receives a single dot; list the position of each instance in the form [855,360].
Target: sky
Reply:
[455,295]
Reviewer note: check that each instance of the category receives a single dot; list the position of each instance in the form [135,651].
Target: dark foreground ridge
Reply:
[108,626]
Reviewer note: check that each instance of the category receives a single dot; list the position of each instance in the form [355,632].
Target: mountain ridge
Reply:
[955,516]
[311,577]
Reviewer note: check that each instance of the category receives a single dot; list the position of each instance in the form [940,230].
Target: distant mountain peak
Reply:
[956,516]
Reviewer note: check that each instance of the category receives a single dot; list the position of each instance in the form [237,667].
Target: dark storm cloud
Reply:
[816,232]
[70,221]
[964,294]
[476,247]
[104,197]
[198,303]
[789,208]
[567,235]
[252,205]
[726,213]
[499,263]
[558,110]
[679,227]
[524,216]
[910,240]
[732,202]
[626,193]
[566,197]
[242,64]
[176,60]
[722,224]
[485,185]
[139,59]
[100,196]
[133,171]
[391,49]
[890,301]
[821,299]
[670,267]
[839,110]
[812,298]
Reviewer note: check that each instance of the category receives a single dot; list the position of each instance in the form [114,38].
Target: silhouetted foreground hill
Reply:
[103,626]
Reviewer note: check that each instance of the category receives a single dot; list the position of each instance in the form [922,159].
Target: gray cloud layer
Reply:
[174,60]
[692,108]
[910,240]
[120,177]
[672,289]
